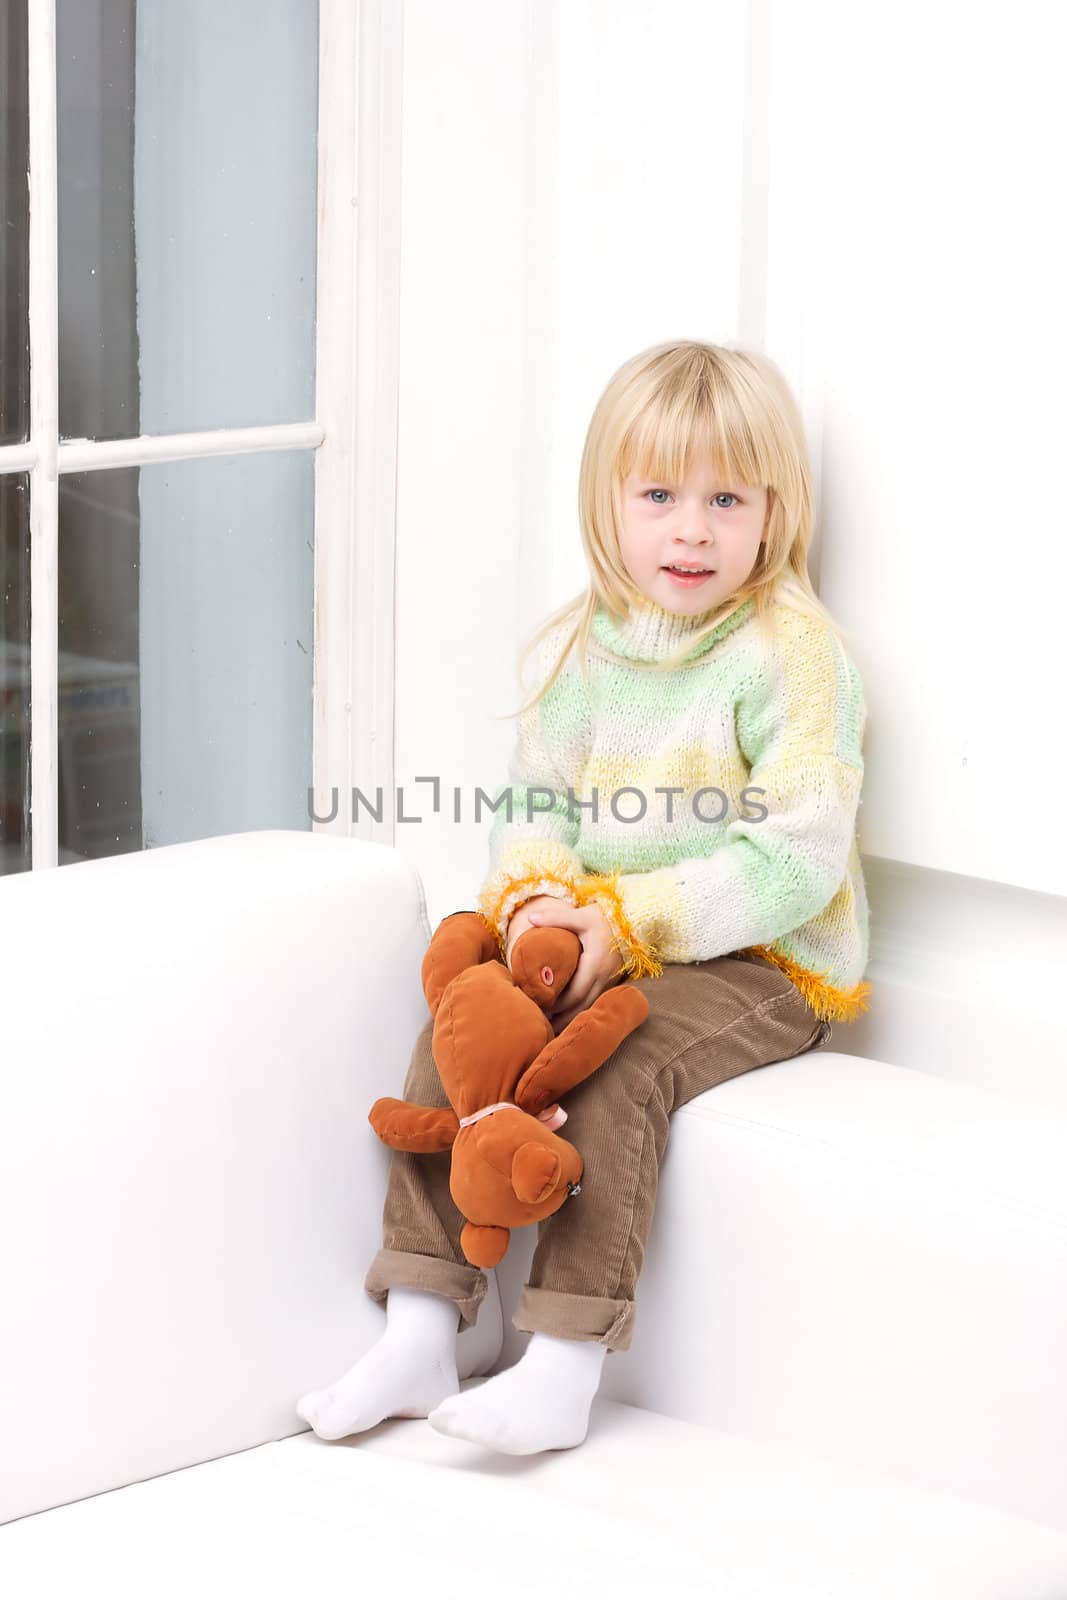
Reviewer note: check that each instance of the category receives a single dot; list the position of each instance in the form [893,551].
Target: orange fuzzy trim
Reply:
[492,904]
[639,959]
[828,1002]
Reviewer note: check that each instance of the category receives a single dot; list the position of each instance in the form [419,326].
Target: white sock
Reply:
[408,1372]
[541,1403]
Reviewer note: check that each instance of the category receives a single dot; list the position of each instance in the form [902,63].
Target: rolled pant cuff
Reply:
[403,1269]
[575,1316]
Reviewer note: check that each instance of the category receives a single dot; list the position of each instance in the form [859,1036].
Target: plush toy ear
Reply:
[405,1126]
[535,1173]
[463,939]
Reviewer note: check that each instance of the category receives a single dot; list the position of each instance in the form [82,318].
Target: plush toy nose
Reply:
[547,977]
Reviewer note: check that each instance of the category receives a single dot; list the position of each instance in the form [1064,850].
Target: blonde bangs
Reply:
[692,419]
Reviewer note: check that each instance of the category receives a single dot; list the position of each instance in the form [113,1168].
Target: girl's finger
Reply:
[565,1017]
[560,915]
[574,995]
[590,997]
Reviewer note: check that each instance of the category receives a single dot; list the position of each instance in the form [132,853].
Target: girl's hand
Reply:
[599,965]
[520,919]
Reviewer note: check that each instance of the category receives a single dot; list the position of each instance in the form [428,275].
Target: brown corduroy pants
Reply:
[708,1021]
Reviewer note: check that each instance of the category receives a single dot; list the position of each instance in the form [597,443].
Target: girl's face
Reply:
[699,523]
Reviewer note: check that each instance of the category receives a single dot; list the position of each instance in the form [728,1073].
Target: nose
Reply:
[694,534]
[695,525]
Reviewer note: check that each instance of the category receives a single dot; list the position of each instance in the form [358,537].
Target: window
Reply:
[169,665]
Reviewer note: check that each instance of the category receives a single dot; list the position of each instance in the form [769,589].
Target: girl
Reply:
[683,796]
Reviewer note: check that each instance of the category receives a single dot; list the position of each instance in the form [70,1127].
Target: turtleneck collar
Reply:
[651,633]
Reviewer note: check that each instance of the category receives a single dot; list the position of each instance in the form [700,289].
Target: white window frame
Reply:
[353,434]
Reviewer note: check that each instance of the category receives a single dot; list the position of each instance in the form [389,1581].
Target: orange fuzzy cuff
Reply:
[639,958]
[499,901]
[828,1001]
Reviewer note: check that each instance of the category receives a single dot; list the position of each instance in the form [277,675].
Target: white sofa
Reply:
[848,1375]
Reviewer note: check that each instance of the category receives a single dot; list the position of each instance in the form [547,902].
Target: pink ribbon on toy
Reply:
[554,1116]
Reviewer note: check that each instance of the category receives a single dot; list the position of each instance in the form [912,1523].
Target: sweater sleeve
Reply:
[799,726]
[533,850]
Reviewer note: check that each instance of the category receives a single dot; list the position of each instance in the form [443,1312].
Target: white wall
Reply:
[868,196]
[946,262]
[549,231]
[464,411]
[943,331]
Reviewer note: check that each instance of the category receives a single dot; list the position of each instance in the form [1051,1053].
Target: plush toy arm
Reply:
[404,1126]
[463,939]
[583,1046]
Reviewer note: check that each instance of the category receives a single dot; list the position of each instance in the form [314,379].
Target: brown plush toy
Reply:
[503,1069]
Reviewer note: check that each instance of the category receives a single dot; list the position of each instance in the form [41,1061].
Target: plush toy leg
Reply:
[462,940]
[484,1247]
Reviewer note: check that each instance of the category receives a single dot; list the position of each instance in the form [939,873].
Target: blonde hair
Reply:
[667,408]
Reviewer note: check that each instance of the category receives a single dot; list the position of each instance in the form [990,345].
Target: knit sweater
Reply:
[707,810]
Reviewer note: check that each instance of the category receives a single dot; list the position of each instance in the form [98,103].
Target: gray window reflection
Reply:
[14,228]
[187,214]
[14,672]
[185,651]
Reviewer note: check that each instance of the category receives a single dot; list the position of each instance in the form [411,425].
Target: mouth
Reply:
[689,576]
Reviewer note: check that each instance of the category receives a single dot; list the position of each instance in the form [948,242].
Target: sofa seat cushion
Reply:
[648,1504]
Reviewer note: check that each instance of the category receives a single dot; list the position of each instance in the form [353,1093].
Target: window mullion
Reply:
[95,455]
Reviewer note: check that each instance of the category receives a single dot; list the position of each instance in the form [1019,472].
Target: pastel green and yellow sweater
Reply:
[606,803]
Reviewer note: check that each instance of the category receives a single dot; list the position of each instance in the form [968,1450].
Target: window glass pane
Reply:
[14,672]
[185,651]
[187,214]
[14,228]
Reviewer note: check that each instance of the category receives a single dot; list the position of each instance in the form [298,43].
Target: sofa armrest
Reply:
[189,1186]
[869,1263]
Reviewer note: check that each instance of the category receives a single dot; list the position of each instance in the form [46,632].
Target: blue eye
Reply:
[725,495]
